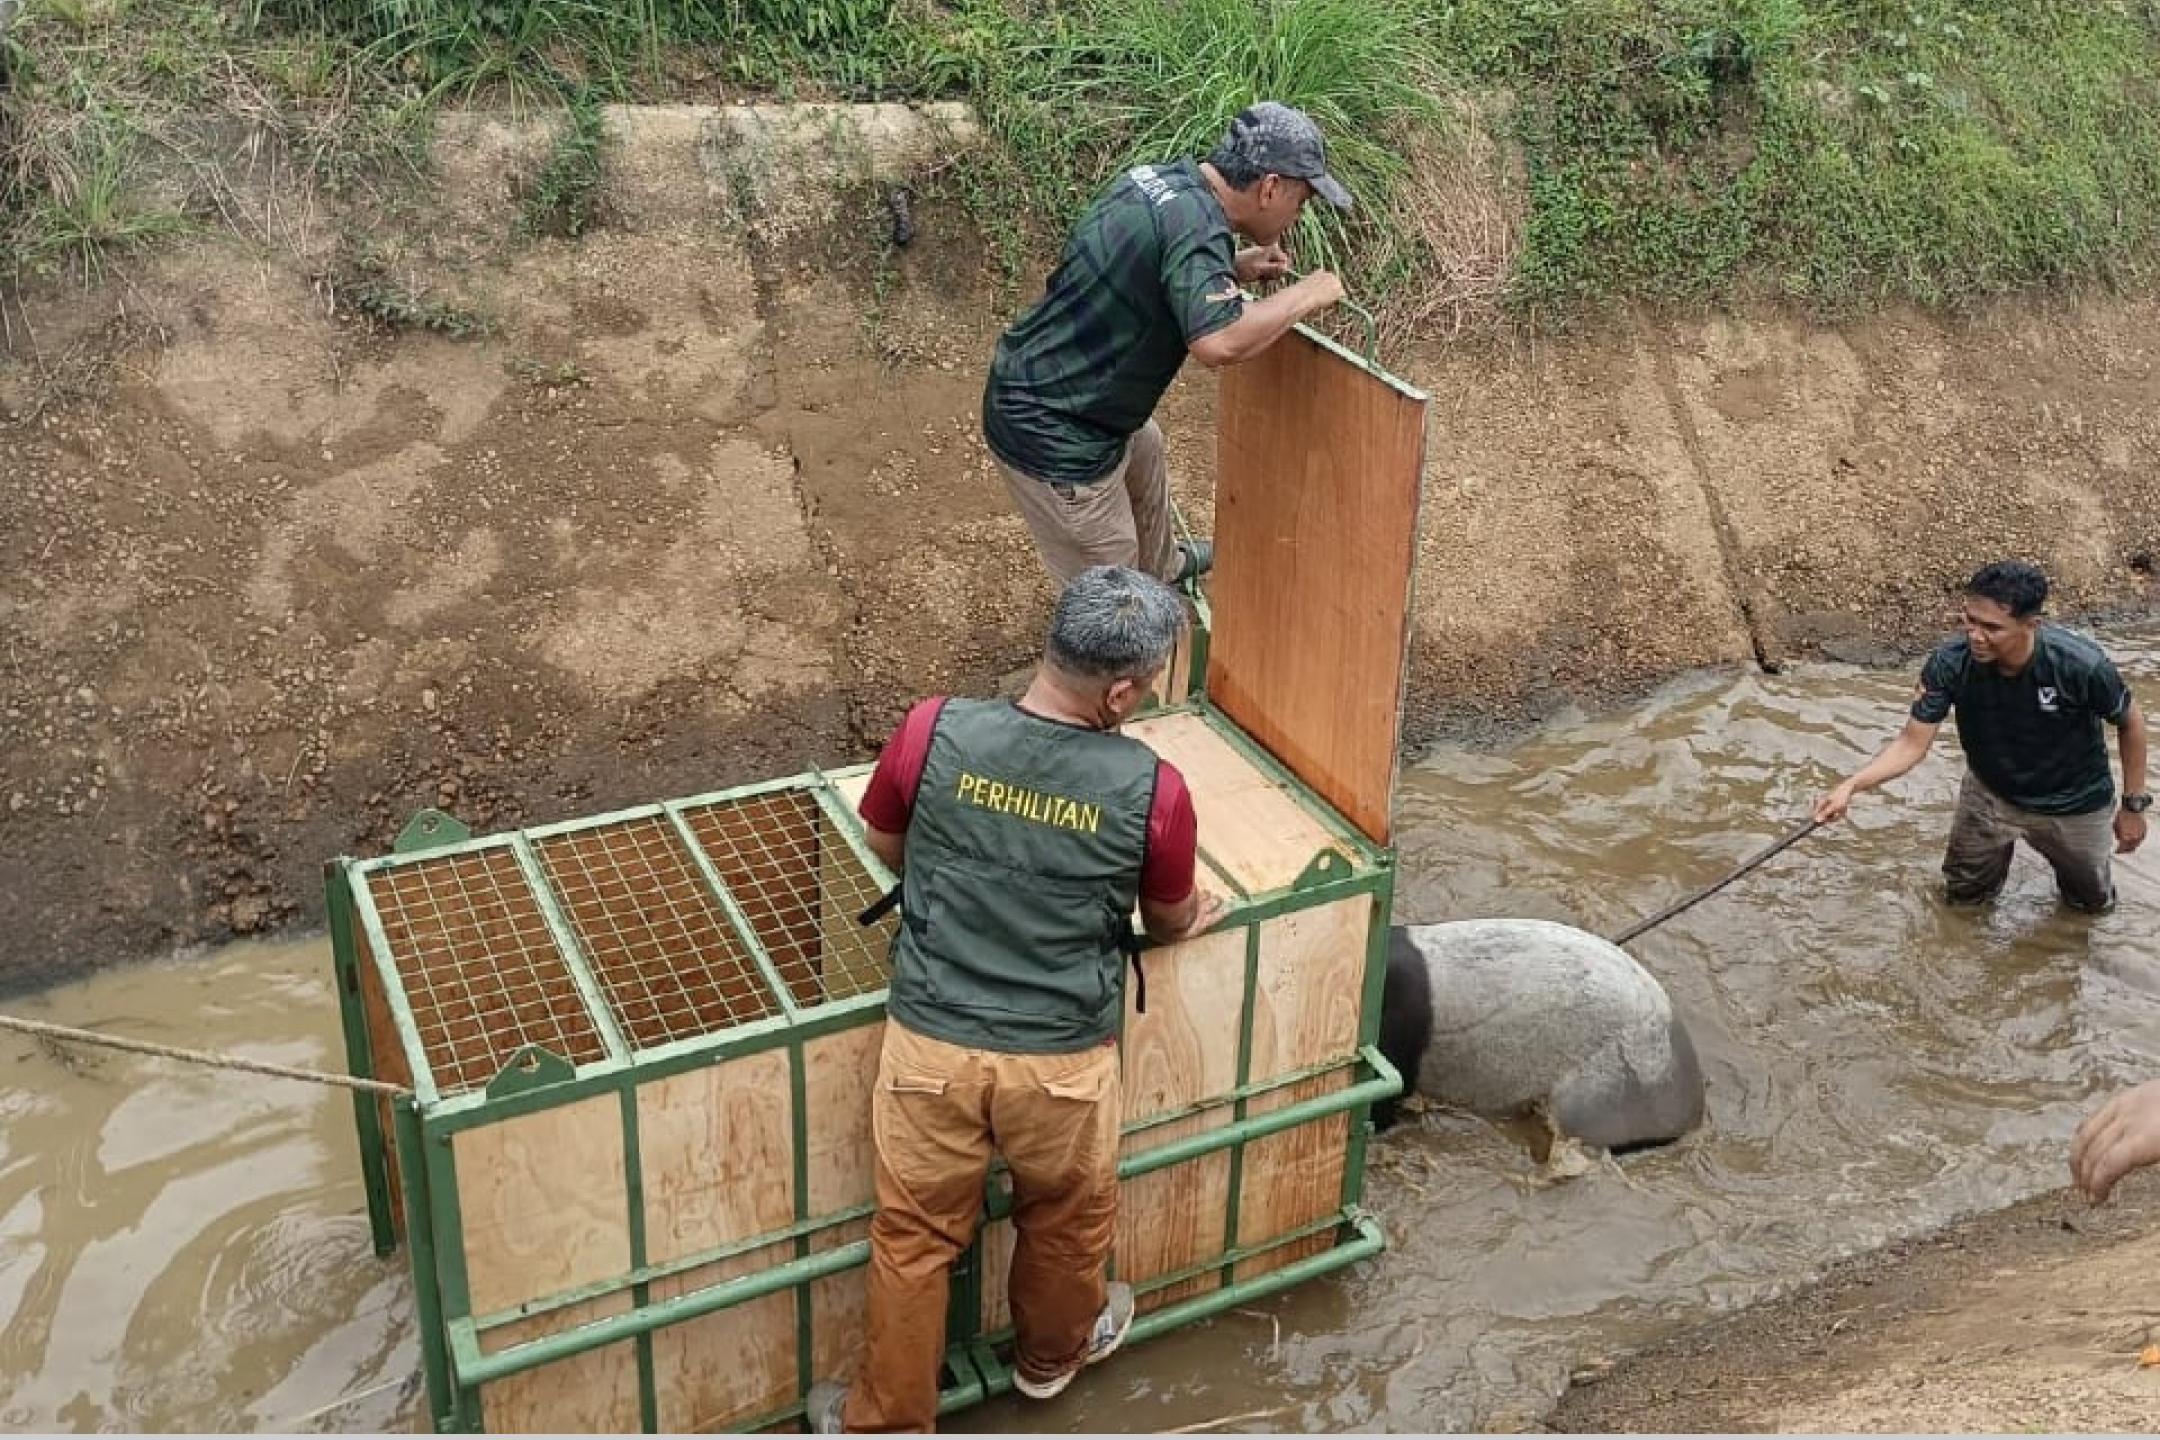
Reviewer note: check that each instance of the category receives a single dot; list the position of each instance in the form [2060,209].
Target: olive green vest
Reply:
[1023,862]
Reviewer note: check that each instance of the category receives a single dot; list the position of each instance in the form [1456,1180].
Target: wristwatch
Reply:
[2137,804]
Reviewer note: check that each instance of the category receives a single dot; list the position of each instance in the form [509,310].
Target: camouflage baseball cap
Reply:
[1279,140]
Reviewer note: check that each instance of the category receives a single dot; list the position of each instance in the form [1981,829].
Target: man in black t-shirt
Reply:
[1151,274]
[2031,700]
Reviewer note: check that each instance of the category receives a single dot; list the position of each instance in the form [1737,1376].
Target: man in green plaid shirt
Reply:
[1150,275]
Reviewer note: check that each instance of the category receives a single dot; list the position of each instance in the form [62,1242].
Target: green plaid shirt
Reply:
[1150,268]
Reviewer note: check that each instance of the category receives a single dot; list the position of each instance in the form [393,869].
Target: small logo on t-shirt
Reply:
[2047,698]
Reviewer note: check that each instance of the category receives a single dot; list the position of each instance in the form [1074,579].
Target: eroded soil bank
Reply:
[2031,1318]
[705,502]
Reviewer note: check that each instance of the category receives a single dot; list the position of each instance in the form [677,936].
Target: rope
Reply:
[1797,834]
[68,1034]
[354,1397]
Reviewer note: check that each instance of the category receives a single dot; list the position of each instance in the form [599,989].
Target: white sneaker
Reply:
[1111,1328]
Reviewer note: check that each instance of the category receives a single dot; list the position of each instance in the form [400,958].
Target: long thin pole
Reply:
[68,1034]
[1791,838]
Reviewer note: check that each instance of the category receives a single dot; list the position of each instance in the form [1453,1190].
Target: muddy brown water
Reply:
[181,1249]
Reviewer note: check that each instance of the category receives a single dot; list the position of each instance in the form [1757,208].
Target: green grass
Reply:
[1086,89]
[1832,154]
[89,209]
[363,283]
[110,114]
[565,196]
[1835,154]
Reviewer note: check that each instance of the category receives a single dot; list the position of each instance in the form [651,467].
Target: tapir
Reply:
[1503,1017]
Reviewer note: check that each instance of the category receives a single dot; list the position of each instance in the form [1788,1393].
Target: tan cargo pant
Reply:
[1984,835]
[936,1114]
[1121,519]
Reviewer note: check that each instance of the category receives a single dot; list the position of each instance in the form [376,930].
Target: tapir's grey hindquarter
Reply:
[1528,1011]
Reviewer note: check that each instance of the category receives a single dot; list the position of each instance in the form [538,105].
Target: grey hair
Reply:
[1114,623]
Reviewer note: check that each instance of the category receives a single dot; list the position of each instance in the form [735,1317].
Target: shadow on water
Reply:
[185,1250]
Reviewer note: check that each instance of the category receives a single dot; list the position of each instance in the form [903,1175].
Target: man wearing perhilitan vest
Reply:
[2033,702]
[1024,833]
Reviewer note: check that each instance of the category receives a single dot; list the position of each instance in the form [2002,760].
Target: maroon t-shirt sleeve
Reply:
[890,799]
[1173,837]
[1173,829]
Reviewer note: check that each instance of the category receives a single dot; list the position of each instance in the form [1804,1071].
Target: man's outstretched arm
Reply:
[1900,755]
[1266,321]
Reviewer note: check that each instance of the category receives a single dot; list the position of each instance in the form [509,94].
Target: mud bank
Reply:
[2032,1318]
[700,498]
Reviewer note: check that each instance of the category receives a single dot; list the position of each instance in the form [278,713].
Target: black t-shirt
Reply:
[1150,268]
[2034,738]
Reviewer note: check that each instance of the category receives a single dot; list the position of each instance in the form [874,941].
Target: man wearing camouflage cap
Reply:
[1150,275]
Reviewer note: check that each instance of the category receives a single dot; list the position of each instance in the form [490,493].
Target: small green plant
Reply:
[393,307]
[541,376]
[362,284]
[88,208]
[565,196]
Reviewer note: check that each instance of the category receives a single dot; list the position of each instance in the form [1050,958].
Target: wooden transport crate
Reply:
[634,1177]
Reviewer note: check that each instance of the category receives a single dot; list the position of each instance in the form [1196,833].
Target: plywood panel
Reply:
[716,1150]
[1175,1218]
[839,1073]
[838,1307]
[721,1369]
[1175,682]
[535,1226]
[1316,515]
[1312,964]
[1293,1178]
[592,1393]
[998,1239]
[1183,1051]
[1250,827]
[1310,984]
[535,1223]
[386,1060]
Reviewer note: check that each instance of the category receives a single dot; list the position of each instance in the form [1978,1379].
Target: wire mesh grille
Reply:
[800,887]
[659,943]
[480,970]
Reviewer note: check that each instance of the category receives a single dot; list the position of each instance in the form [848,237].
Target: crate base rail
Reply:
[1346,1219]
[472,1367]
[968,1389]
[1367,1240]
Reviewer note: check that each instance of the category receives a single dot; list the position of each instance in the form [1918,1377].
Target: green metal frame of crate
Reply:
[589,1015]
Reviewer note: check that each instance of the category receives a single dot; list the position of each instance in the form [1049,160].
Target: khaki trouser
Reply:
[937,1112]
[1984,834]
[1121,519]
